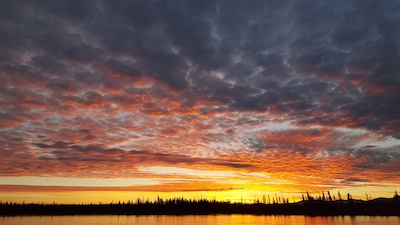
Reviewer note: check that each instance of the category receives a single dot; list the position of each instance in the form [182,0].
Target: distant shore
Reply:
[312,207]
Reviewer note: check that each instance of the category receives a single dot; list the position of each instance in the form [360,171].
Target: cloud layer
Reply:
[302,92]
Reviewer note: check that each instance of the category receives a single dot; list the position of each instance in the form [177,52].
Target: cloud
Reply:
[165,187]
[199,85]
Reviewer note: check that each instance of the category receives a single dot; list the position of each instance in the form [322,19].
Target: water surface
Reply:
[198,220]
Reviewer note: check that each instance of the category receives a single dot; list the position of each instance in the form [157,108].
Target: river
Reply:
[199,220]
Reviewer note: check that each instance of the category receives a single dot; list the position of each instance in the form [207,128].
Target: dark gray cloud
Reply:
[260,47]
[378,156]
[63,151]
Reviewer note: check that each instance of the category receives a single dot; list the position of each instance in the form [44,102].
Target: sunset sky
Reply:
[226,99]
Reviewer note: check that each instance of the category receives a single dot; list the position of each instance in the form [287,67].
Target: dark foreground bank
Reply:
[376,207]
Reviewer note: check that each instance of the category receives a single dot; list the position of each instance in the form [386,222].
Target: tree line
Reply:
[324,204]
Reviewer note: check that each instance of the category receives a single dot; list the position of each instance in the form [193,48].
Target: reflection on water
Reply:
[198,220]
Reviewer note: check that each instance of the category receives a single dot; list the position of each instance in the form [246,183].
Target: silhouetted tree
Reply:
[349,198]
[329,196]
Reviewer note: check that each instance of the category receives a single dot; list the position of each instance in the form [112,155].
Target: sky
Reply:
[223,99]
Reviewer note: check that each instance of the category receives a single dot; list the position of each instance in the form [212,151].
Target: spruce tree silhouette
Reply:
[321,205]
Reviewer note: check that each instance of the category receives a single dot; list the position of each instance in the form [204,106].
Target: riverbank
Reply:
[376,207]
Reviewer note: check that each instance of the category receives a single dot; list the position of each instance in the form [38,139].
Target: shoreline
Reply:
[381,207]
